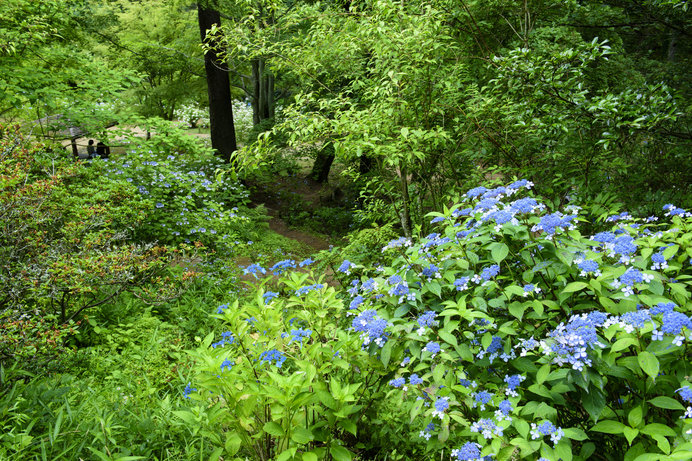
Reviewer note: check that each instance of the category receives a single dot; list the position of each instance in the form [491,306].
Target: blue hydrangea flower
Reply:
[415,380]
[441,405]
[588,266]
[685,394]
[273,355]
[283,266]
[461,284]
[470,451]
[254,269]
[481,398]
[371,327]
[268,296]
[513,382]
[431,272]
[505,407]
[546,428]
[300,334]
[487,428]
[357,301]
[524,205]
[397,382]
[346,267]
[552,222]
[188,390]
[427,319]
[432,347]
[307,289]
[306,262]
[476,192]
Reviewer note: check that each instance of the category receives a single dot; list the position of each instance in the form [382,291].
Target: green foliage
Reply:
[494,328]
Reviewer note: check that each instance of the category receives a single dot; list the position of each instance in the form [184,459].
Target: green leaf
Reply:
[233,442]
[648,363]
[609,427]
[309,456]
[574,286]
[498,251]
[630,434]
[339,453]
[634,417]
[435,288]
[542,373]
[517,309]
[658,429]
[386,352]
[273,428]
[574,433]
[667,403]
[622,343]
[302,435]
[448,337]
[287,454]
[593,403]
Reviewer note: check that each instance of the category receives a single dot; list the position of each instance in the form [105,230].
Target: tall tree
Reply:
[218,87]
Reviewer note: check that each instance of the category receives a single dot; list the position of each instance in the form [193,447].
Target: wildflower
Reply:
[221,308]
[227,364]
[505,407]
[466,383]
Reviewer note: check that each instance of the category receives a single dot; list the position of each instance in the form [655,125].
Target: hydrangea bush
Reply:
[506,334]
[189,198]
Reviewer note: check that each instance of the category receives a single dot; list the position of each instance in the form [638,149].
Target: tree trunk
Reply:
[323,163]
[219,91]
[263,92]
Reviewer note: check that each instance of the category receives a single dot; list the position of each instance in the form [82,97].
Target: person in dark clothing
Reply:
[91,149]
[103,150]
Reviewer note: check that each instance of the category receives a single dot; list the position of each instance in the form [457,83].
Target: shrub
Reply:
[507,334]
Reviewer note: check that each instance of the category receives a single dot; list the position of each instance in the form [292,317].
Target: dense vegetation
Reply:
[490,253]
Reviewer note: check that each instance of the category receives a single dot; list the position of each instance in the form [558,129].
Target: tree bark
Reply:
[219,91]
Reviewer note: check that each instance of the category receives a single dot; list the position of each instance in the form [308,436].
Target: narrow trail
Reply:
[278,199]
